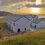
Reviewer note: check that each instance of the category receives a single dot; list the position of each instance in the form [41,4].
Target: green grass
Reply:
[3,30]
[2,20]
[30,38]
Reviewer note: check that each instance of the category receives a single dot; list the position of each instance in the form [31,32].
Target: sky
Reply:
[10,6]
[4,2]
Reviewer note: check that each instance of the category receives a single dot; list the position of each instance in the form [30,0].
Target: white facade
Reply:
[20,23]
[40,24]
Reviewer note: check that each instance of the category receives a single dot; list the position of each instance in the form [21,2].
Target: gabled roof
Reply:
[18,16]
[30,16]
[14,17]
[39,20]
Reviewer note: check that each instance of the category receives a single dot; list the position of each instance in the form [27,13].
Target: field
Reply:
[2,20]
[27,38]
[3,29]
[30,38]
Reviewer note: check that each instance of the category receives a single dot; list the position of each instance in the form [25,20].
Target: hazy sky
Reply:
[4,2]
[6,5]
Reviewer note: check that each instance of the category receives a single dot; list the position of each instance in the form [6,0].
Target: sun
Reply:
[35,10]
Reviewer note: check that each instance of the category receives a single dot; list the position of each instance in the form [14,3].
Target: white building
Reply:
[40,23]
[20,23]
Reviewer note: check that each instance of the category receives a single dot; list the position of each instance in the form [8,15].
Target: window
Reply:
[25,29]
[18,30]
[35,26]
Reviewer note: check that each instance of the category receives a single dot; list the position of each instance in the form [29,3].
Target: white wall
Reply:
[22,24]
[41,24]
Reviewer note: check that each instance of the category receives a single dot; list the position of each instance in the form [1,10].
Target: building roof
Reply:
[39,20]
[18,16]
[30,16]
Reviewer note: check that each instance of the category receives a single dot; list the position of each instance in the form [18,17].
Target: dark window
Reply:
[35,26]
[25,29]
[19,30]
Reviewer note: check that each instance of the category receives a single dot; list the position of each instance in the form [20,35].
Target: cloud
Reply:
[5,2]
[0,2]
[2,8]
[17,6]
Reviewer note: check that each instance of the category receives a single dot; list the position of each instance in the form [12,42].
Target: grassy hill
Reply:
[3,29]
[29,38]
[3,13]
[2,20]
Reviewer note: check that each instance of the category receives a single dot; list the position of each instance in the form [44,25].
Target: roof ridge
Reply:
[22,17]
[26,17]
[18,18]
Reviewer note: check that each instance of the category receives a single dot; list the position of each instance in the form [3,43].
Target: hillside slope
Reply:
[30,38]
[3,13]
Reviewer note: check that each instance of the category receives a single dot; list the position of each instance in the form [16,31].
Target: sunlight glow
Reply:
[38,2]
[35,10]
